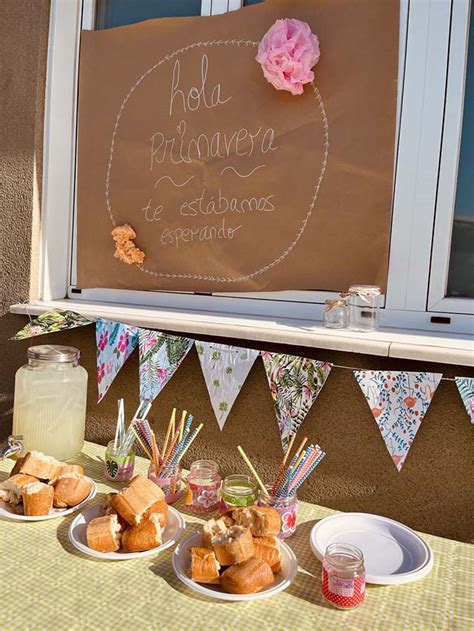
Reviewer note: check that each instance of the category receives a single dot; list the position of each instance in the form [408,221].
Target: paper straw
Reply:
[281,468]
[296,486]
[300,452]
[190,441]
[168,431]
[118,429]
[181,424]
[254,473]
[137,436]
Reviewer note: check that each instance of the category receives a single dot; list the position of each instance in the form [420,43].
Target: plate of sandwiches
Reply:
[237,556]
[40,487]
[134,523]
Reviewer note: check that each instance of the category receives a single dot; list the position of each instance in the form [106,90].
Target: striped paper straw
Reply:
[296,486]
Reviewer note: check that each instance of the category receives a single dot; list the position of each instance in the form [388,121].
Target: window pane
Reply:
[461,264]
[249,2]
[112,13]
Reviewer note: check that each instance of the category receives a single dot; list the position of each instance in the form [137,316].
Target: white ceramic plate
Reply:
[58,512]
[182,565]
[393,553]
[77,535]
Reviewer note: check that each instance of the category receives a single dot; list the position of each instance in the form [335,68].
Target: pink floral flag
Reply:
[294,382]
[161,355]
[398,402]
[115,343]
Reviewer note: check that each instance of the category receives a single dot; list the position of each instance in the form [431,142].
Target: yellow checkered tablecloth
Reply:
[45,583]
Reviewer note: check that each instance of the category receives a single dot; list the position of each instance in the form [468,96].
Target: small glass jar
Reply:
[237,491]
[335,313]
[119,467]
[343,580]
[171,485]
[203,487]
[287,507]
[50,401]
[363,303]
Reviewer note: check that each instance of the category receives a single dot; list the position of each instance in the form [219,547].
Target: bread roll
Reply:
[145,536]
[236,546]
[103,534]
[37,499]
[40,466]
[247,578]
[134,501]
[204,566]
[17,466]
[71,468]
[268,549]
[263,521]
[160,508]
[70,490]
[214,527]
[10,489]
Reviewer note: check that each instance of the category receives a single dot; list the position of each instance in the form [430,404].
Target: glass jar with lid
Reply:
[238,490]
[363,302]
[50,401]
[343,579]
[203,486]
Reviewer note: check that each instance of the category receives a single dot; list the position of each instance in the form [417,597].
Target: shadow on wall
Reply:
[357,473]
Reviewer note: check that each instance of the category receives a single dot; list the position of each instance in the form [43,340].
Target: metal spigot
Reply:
[14,446]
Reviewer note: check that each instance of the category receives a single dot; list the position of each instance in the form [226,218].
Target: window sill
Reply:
[402,344]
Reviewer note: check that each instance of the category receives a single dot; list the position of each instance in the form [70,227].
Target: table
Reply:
[47,584]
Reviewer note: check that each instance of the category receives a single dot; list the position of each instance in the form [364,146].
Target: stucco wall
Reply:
[433,492]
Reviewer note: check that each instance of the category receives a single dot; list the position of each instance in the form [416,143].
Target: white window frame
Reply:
[450,153]
[424,28]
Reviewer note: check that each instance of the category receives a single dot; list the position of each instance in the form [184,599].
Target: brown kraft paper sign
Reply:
[230,184]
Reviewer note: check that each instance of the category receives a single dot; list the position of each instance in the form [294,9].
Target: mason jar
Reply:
[50,401]
[238,491]
[335,313]
[363,302]
[343,579]
[287,507]
[203,487]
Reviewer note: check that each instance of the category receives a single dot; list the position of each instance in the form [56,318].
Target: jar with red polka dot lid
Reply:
[343,581]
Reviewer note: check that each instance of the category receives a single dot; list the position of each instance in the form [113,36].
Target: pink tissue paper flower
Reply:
[287,53]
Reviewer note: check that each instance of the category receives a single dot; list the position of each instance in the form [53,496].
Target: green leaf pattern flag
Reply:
[294,382]
[465,387]
[225,369]
[52,322]
[160,356]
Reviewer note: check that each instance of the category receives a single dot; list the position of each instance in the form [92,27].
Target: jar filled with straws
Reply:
[119,463]
[287,507]
[171,485]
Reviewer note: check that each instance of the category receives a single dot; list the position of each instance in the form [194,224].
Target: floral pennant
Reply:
[160,356]
[466,391]
[399,402]
[115,343]
[225,369]
[52,322]
[295,382]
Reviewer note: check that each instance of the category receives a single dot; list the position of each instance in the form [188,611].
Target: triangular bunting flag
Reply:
[52,322]
[294,382]
[466,390]
[399,402]
[160,356]
[225,369]
[115,343]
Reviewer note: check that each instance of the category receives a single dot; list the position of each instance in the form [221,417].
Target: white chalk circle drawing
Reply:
[291,246]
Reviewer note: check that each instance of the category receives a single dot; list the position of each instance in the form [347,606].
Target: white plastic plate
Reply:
[77,535]
[182,566]
[393,553]
[58,512]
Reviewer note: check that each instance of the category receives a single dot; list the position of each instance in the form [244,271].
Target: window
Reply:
[427,276]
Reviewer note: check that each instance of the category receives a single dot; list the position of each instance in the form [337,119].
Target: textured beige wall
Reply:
[434,491]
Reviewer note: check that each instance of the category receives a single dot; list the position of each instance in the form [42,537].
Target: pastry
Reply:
[145,536]
[263,521]
[70,490]
[214,527]
[70,468]
[268,549]
[235,546]
[103,534]
[40,466]
[17,466]
[10,489]
[37,499]
[135,501]
[204,566]
[247,578]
